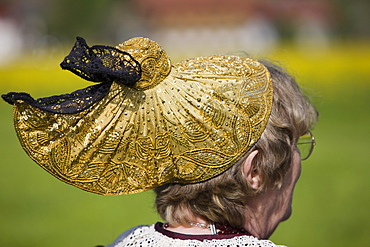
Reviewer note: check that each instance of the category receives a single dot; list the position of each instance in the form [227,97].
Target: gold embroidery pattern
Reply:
[192,125]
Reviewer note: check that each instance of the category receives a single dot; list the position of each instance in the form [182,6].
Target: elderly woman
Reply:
[218,139]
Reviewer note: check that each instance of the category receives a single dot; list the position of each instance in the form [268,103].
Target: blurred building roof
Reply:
[231,12]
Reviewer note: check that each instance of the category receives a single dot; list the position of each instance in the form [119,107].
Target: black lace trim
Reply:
[98,64]
[72,103]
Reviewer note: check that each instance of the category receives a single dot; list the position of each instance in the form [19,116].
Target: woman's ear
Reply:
[251,173]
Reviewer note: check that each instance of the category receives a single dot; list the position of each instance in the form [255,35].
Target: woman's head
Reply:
[223,199]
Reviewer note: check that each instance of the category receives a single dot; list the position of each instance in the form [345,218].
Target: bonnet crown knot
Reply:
[154,61]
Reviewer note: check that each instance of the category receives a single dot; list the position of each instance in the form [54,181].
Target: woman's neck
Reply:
[197,226]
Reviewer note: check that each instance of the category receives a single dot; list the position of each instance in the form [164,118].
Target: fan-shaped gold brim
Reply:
[203,117]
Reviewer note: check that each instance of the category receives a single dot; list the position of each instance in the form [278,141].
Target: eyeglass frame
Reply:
[313,144]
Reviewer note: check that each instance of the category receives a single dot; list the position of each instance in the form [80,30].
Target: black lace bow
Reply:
[102,64]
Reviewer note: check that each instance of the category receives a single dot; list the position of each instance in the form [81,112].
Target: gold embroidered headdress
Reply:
[148,122]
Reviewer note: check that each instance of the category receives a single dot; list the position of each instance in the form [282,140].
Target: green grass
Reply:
[331,200]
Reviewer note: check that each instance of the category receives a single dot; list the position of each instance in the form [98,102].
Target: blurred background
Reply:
[325,44]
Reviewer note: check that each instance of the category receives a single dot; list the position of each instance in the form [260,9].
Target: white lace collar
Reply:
[148,236]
